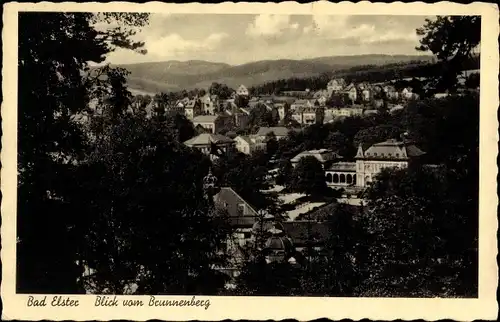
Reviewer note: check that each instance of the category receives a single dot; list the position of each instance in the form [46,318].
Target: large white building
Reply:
[370,162]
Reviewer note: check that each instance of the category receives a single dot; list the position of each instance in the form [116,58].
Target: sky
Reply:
[237,39]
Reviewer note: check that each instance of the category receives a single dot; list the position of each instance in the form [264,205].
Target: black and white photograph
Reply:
[248,155]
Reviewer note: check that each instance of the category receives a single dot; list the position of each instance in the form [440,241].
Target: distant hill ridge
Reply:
[177,75]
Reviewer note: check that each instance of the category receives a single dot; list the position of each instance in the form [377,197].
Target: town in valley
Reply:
[356,181]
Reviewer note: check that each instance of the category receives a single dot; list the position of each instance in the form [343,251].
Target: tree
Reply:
[337,142]
[308,176]
[453,40]
[261,116]
[182,128]
[376,134]
[247,176]
[421,235]
[140,164]
[241,101]
[271,143]
[472,81]
[55,87]
[285,173]
[221,90]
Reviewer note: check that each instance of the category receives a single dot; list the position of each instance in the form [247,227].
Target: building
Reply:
[391,92]
[366,94]
[279,131]
[321,100]
[335,85]
[298,104]
[301,94]
[352,92]
[341,174]
[343,112]
[322,97]
[248,144]
[192,109]
[242,91]
[212,123]
[387,154]
[324,156]
[283,109]
[210,104]
[309,115]
[242,215]
[407,93]
[207,142]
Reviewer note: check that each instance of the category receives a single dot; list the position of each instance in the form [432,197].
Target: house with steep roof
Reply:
[335,85]
[352,92]
[242,91]
[209,103]
[192,109]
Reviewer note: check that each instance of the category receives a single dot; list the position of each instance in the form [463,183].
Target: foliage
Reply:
[221,90]
[183,129]
[95,173]
[55,88]
[137,165]
[452,39]
[259,278]
[246,174]
[260,115]
[308,176]
[271,144]
[421,235]
[285,173]
[241,101]
[375,134]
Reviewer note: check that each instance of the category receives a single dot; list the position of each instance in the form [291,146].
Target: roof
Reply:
[390,149]
[207,138]
[228,196]
[278,131]
[300,231]
[279,243]
[323,155]
[301,102]
[245,138]
[343,166]
[205,118]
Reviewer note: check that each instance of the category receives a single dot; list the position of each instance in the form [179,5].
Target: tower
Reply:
[210,186]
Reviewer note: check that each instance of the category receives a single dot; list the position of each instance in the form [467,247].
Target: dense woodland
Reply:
[110,189]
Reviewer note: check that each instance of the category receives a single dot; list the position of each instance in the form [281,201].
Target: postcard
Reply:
[249,161]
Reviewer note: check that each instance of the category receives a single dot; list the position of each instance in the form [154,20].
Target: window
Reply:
[397,155]
[375,154]
[247,235]
[241,209]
